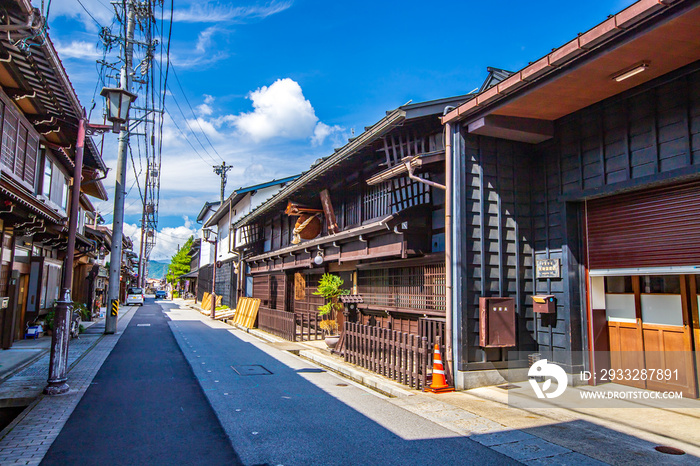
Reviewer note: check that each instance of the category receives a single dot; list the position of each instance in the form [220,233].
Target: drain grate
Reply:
[341,385]
[509,386]
[251,370]
[669,450]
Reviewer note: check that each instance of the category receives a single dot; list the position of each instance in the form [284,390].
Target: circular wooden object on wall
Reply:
[312,230]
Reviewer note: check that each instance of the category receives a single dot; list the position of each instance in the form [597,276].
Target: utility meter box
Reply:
[496,322]
[544,304]
[4,302]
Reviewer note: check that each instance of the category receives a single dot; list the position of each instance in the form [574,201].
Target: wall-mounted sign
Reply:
[548,268]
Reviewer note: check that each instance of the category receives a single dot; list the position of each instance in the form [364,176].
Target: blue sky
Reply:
[278,84]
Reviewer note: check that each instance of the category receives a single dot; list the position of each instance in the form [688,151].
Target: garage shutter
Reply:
[657,227]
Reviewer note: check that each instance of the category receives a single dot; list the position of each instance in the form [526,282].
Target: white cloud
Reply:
[201,61]
[78,49]
[280,111]
[167,239]
[99,9]
[322,131]
[205,39]
[216,13]
[205,109]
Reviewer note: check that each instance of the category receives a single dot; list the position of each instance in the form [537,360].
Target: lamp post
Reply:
[58,364]
[207,233]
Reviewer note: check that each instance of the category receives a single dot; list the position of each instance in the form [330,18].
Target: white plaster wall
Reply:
[206,255]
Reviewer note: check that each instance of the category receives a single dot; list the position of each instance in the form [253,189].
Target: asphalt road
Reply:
[144,406]
[278,409]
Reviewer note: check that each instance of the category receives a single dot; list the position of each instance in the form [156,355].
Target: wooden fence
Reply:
[307,327]
[397,355]
[289,325]
[280,323]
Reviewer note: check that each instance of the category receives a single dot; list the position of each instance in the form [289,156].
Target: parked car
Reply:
[134,296]
[161,294]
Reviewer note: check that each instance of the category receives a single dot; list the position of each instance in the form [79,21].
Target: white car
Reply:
[134,296]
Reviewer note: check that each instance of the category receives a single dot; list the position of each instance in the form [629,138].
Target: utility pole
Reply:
[119,190]
[221,170]
[142,245]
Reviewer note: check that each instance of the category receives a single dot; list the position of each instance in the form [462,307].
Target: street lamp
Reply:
[207,234]
[118,102]
[58,364]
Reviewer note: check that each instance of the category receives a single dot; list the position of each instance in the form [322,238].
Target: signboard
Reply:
[548,268]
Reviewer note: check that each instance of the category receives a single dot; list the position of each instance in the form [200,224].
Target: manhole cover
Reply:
[251,370]
[509,386]
[669,450]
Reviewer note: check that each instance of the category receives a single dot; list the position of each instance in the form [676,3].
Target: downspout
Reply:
[448,250]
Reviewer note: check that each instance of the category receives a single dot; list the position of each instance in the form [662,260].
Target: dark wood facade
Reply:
[39,115]
[389,246]
[519,202]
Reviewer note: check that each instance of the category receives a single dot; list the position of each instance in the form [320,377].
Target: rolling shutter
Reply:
[658,227]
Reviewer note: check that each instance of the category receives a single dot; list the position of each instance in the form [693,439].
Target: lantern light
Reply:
[118,103]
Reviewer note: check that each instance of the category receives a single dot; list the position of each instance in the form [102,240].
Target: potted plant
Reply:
[330,287]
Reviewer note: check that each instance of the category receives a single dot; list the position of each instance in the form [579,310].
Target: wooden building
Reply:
[578,177]
[39,114]
[229,283]
[356,213]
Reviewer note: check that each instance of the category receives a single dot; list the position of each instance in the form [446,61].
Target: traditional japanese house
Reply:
[39,114]
[373,213]
[577,179]
[206,252]
[240,203]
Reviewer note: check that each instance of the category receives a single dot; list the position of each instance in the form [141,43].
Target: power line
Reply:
[193,114]
[89,14]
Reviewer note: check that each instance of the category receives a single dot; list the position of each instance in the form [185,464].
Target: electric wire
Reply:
[90,14]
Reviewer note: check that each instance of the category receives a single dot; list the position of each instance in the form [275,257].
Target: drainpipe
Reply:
[448,249]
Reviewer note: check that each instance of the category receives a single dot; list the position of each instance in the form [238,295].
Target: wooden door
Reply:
[625,326]
[658,334]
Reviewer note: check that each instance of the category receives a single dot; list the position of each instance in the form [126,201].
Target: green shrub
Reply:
[48,318]
[83,310]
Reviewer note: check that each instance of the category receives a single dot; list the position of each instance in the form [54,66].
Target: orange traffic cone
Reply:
[439,384]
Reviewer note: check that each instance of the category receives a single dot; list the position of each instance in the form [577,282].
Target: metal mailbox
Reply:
[496,322]
[544,304]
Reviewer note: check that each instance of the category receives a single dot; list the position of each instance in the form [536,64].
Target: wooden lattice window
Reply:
[377,201]
[411,288]
[406,192]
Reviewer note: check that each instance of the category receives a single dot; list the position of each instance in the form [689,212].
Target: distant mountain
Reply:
[157,269]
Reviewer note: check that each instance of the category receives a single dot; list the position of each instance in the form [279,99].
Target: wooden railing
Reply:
[280,323]
[307,327]
[289,325]
[400,356]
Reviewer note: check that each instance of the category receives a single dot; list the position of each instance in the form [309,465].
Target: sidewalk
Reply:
[624,433]
[28,437]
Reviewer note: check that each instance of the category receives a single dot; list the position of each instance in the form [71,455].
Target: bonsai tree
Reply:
[330,288]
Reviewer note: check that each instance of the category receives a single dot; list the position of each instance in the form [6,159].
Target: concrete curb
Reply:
[375,383]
